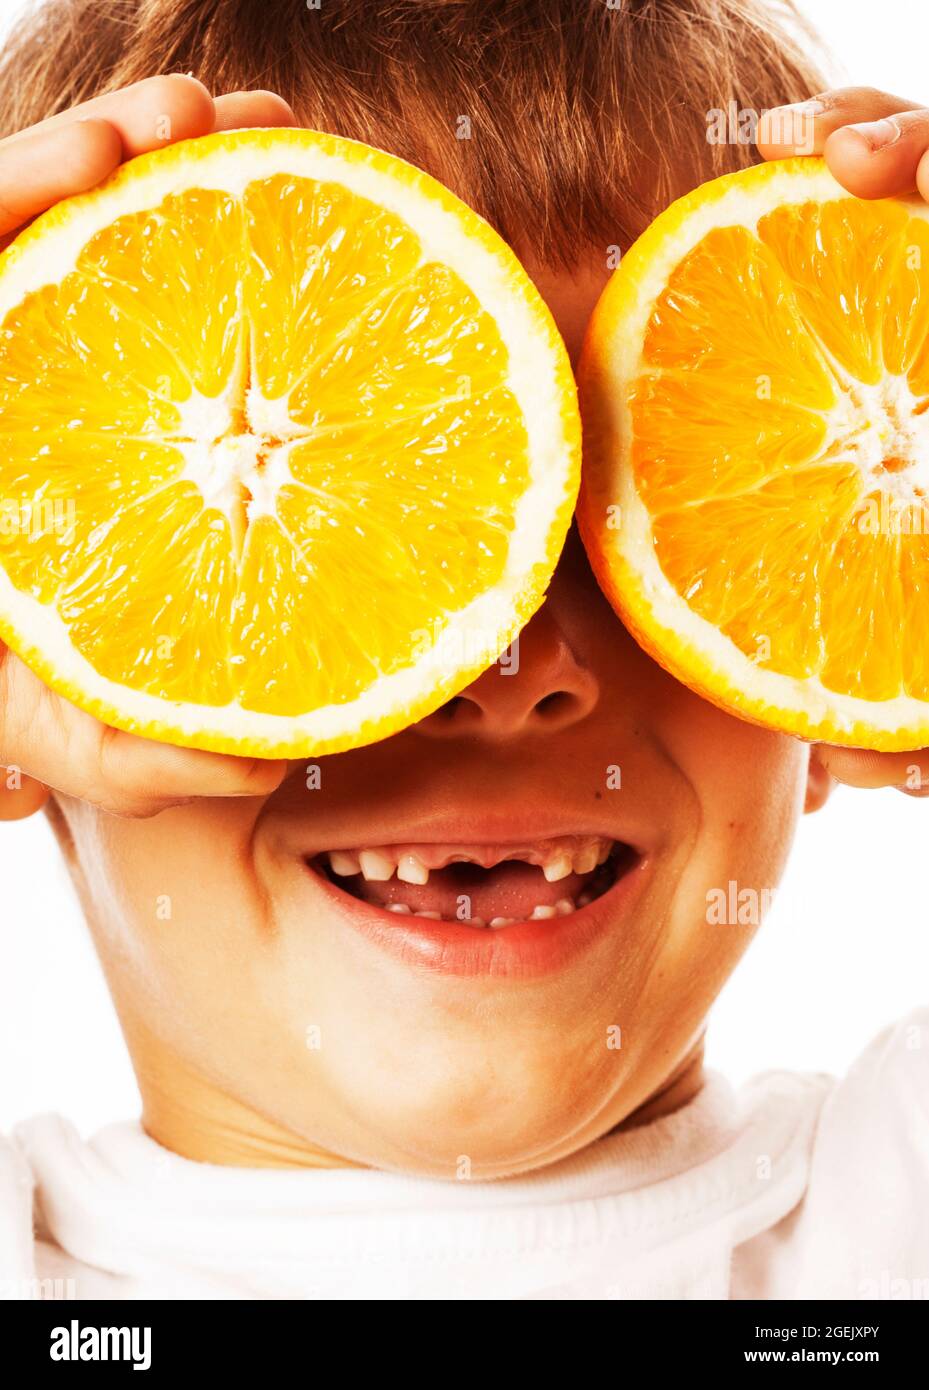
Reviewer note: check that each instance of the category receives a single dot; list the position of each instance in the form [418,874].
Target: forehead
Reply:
[571,295]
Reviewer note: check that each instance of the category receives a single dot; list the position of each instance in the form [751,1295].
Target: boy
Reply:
[327,1091]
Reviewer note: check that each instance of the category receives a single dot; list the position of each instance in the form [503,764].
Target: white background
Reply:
[844,951]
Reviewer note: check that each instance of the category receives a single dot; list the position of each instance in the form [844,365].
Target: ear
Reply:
[20,796]
[819,782]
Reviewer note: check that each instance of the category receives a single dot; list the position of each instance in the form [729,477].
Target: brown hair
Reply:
[566,123]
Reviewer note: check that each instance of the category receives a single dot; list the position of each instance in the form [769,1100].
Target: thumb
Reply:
[860,767]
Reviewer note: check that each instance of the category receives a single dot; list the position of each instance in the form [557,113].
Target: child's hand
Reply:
[57,746]
[877,146]
[42,736]
[77,149]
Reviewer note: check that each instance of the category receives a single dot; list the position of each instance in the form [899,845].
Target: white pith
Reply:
[239,468]
[236,450]
[873,422]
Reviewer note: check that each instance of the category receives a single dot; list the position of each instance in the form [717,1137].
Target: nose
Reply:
[540,687]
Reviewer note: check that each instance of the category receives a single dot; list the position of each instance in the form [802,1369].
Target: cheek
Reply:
[752,788]
[748,787]
[744,788]
[748,783]
[172,901]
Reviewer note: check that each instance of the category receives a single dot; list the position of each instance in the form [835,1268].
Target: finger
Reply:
[147,115]
[858,767]
[53,741]
[53,164]
[139,777]
[804,127]
[20,796]
[879,159]
[244,110]
[73,152]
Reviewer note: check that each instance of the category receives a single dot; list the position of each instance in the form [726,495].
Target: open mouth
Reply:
[483,886]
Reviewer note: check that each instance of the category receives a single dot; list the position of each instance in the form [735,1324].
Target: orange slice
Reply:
[755,501]
[289,445]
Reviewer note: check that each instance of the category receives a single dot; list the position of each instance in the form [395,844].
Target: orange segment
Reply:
[838,257]
[152,598]
[762,438]
[194,313]
[62,493]
[862,614]
[905,316]
[319,257]
[728,290]
[772,537]
[50,379]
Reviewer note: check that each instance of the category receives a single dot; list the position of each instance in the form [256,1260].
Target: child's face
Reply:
[260,999]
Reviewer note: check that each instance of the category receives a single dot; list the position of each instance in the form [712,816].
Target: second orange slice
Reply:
[755,390]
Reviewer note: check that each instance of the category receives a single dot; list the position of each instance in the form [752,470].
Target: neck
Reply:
[184,1112]
[677,1091]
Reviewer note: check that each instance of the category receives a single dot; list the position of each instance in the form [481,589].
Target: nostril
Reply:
[493,708]
[455,708]
[556,706]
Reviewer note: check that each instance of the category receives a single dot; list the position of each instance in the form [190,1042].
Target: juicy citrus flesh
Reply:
[777,438]
[268,446]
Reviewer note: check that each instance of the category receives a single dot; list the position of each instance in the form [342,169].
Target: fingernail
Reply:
[878,135]
[813,107]
[794,124]
[798,112]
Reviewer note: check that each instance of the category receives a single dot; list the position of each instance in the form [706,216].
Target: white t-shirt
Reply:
[792,1187]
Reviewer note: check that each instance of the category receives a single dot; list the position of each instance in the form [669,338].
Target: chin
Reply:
[490,1098]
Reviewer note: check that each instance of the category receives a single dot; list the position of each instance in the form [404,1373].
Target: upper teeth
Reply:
[559,867]
[375,866]
[343,862]
[411,869]
[556,860]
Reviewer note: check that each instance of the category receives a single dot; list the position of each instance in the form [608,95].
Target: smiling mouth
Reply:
[489,886]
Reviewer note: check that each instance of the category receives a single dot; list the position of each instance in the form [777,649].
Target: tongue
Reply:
[512,889]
